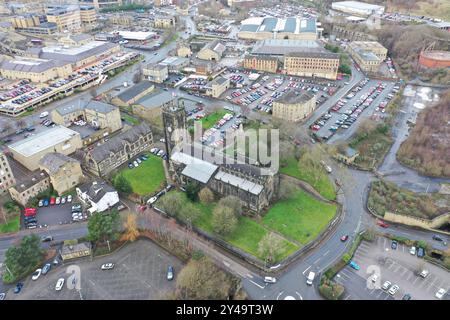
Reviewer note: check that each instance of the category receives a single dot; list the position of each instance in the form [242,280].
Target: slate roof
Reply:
[295,97]
[135,90]
[32,66]
[96,190]
[215,46]
[118,142]
[54,161]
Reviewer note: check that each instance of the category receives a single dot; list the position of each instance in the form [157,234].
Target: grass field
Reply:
[148,177]
[323,185]
[211,119]
[430,8]
[247,234]
[130,119]
[301,218]
[13,225]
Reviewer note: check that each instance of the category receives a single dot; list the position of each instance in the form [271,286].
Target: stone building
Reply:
[156,72]
[212,51]
[133,94]
[164,22]
[312,64]
[64,172]
[261,63]
[103,159]
[150,106]
[217,86]
[7,179]
[368,54]
[30,186]
[184,50]
[294,106]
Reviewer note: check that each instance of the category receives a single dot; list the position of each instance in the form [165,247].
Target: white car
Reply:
[63,200]
[412,251]
[152,200]
[386,285]
[107,266]
[58,200]
[136,164]
[440,294]
[270,280]
[393,290]
[36,274]
[374,278]
[69,198]
[152,150]
[59,284]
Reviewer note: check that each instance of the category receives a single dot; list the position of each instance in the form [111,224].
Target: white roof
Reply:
[136,35]
[254,20]
[241,183]
[43,141]
[197,169]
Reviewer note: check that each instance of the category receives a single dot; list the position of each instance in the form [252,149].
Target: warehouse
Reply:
[260,28]
[280,47]
[357,8]
[312,64]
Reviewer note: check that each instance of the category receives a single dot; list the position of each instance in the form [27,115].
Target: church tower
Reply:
[174,122]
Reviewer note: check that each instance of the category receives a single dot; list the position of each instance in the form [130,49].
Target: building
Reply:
[7,179]
[64,172]
[99,4]
[150,106]
[31,150]
[367,54]
[164,22]
[136,35]
[74,40]
[347,156]
[104,158]
[184,50]
[122,20]
[88,17]
[261,63]
[133,94]
[254,186]
[357,8]
[34,70]
[99,196]
[65,17]
[312,64]
[218,86]
[29,186]
[212,51]
[294,106]
[293,28]
[175,64]
[156,72]
[79,250]
[162,3]
[281,47]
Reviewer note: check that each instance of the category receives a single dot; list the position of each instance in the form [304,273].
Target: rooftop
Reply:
[30,65]
[271,24]
[155,99]
[310,54]
[241,183]
[43,141]
[54,161]
[196,169]
[282,47]
[295,97]
[135,90]
[98,106]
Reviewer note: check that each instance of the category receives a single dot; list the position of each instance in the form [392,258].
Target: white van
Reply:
[310,278]
[43,114]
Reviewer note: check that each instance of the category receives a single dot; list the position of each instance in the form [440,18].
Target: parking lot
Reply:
[398,266]
[140,273]
[367,100]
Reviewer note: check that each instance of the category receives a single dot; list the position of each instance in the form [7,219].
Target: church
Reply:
[193,162]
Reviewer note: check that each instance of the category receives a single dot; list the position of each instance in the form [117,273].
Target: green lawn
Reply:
[148,177]
[301,218]
[13,225]
[247,235]
[130,119]
[211,119]
[323,185]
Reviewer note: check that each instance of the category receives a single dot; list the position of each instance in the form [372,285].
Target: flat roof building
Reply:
[312,64]
[368,54]
[57,139]
[280,47]
[357,8]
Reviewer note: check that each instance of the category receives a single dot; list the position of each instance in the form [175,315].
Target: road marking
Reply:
[346,298]
[306,270]
[381,292]
[256,284]
[406,270]
[326,253]
[278,296]
[414,282]
[315,262]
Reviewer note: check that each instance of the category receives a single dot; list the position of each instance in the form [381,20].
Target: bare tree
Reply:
[21,123]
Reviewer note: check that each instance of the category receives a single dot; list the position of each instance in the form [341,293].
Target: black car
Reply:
[46,238]
[437,238]
[18,287]
[394,245]
[46,268]
[406,297]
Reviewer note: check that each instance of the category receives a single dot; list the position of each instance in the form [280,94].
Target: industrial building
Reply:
[261,63]
[357,8]
[280,47]
[7,179]
[312,64]
[260,28]
[218,86]
[368,54]
[156,72]
[294,106]
[212,51]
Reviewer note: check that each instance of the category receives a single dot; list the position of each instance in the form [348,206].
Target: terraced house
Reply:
[103,159]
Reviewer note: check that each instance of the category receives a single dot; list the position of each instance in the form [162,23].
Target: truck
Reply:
[310,278]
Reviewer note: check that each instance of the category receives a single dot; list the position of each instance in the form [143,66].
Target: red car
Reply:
[344,238]
[382,224]
[30,212]
[52,200]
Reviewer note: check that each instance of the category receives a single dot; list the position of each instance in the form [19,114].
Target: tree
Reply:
[21,123]
[192,189]
[122,184]
[269,246]
[203,280]
[189,213]
[224,220]
[233,203]
[137,76]
[205,195]
[172,203]
[23,258]
[287,190]
[102,226]
[131,228]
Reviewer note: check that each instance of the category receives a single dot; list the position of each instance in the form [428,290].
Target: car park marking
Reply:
[256,284]
[306,270]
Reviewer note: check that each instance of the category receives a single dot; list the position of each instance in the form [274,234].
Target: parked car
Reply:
[393,290]
[394,245]
[2,296]
[63,200]
[18,288]
[52,200]
[437,238]
[46,238]
[412,251]
[46,202]
[386,285]
[424,273]
[152,200]
[406,297]
[58,200]
[59,284]
[69,198]
[41,203]
[46,268]
[354,265]
[270,280]
[107,266]
[344,238]
[382,224]
[440,294]
[36,274]
[170,273]
[420,252]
